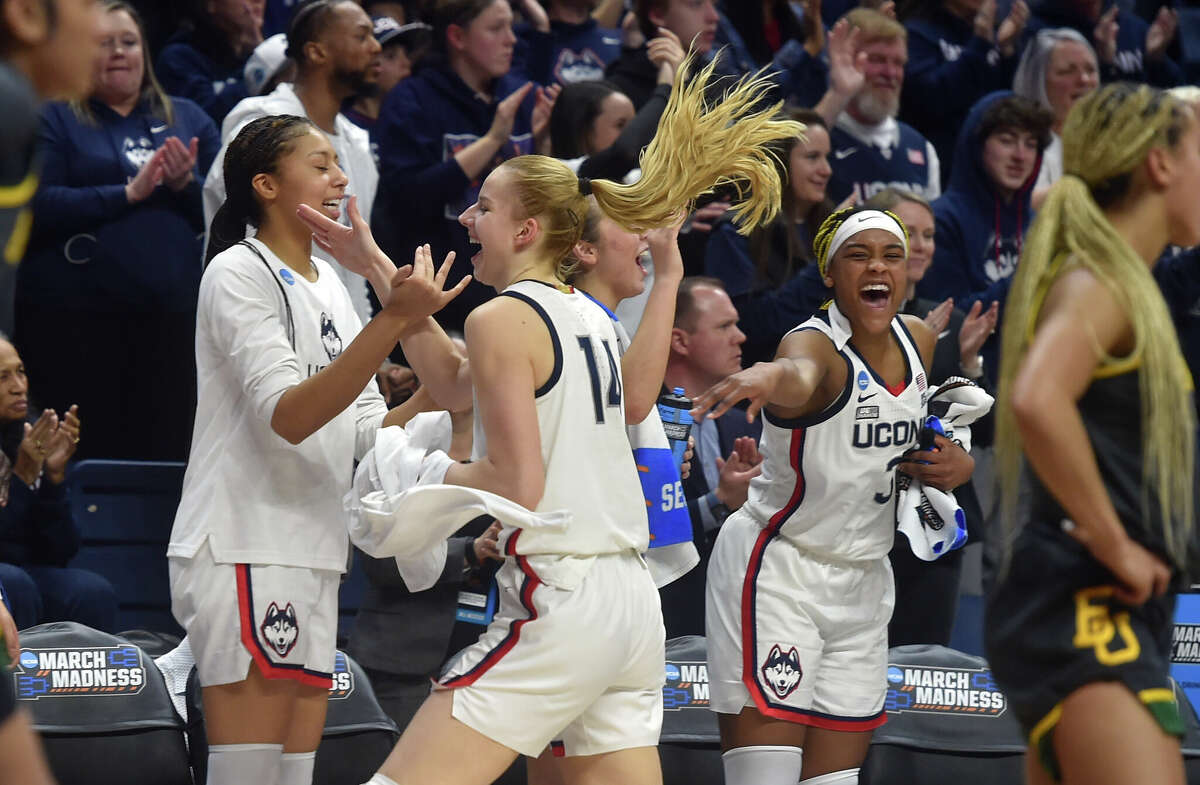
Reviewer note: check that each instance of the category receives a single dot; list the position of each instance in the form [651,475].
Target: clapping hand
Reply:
[31,456]
[1010,29]
[666,53]
[1161,32]
[847,63]
[543,105]
[61,446]
[179,162]
[149,177]
[939,316]
[743,465]
[976,328]
[1105,36]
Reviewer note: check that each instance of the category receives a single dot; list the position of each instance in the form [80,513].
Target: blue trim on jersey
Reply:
[258,641]
[908,370]
[558,354]
[611,315]
[829,411]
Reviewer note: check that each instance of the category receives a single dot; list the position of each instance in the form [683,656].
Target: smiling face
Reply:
[121,66]
[307,174]
[493,226]
[14,387]
[1071,73]
[617,272]
[879,97]
[869,277]
[485,45]
[808,167]
[1009,155]
[919,221]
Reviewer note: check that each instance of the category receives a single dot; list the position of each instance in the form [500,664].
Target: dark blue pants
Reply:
[37,594]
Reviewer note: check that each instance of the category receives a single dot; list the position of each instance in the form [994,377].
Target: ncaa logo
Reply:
[895,675]
[863,380]
[672,672]
[29,660]
[287,276]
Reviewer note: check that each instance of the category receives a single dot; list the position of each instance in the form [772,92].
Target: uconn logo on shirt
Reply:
[899,433]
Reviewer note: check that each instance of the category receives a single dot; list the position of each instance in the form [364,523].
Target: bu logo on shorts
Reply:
[782,671]
[279,628]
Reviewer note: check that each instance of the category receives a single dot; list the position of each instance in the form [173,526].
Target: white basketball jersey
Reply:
[828,479]
[581,416]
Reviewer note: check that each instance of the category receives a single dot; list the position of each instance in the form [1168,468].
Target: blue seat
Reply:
[124,510]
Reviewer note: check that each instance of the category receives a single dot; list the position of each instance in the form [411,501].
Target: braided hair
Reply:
[256,149]
[834,222]
[1106,137]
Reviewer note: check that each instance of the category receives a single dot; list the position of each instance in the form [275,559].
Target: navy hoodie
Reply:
[1130,62]
[949,69]
[422,189]
[568,53]
[197,64]
[1178,275]
[979,235]
[91,249]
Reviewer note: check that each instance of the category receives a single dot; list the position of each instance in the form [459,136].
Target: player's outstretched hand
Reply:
[755,384]
[418,291]
[352,246]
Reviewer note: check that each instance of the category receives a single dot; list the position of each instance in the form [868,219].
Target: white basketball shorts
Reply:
[800,638]
[573,659]
[284,618]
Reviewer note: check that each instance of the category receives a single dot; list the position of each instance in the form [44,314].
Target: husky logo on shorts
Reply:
[279,629]
[782,671]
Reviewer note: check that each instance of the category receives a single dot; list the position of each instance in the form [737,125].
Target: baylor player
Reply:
[1096,395]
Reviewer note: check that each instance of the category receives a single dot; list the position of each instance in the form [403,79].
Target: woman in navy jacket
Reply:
[444,129]
[106,297]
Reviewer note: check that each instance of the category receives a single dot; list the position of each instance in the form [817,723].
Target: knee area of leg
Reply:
[236,763]
[843,777]
[762,765]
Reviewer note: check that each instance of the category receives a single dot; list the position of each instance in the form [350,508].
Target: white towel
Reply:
[393,514]
[931,519]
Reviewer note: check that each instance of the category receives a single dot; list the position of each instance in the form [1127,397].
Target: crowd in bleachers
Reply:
[948,111]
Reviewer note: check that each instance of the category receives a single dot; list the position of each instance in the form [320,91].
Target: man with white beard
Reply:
[871,150]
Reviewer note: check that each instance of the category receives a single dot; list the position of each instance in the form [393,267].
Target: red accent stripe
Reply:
[557,749]
[799,717]
[896,389]
[528,587]
[749,646]
[252,644]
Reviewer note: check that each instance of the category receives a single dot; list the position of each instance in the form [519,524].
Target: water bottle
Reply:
[675,409]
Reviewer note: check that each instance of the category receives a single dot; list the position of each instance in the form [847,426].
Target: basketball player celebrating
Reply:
[575,651]
[799,587]
[287,400]
[1095,393]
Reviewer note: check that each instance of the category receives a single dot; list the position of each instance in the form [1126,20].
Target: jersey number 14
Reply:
[601,399]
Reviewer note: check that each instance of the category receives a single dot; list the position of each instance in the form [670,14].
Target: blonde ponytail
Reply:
[1107,135]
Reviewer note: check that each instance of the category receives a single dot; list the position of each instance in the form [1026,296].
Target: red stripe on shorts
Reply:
[528,586]
[253,645]
[769,532]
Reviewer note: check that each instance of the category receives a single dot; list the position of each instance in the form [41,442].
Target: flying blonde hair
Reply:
[1106,137]
[698,147]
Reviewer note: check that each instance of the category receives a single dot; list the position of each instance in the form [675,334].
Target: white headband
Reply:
[859,222]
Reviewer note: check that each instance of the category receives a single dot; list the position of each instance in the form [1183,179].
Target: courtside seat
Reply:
[947,722]
[101,707]
[357,739]
[124,511]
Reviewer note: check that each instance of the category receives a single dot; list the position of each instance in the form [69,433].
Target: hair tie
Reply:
[585,186]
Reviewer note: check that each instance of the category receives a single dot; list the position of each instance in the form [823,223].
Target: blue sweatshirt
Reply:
[36,527]
[979,235]
[197,64]
[91,249]
[949,69]
[568,53]
[422,189]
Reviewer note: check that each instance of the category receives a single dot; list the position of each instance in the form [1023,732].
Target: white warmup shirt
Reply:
[353,147]
[257,498]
